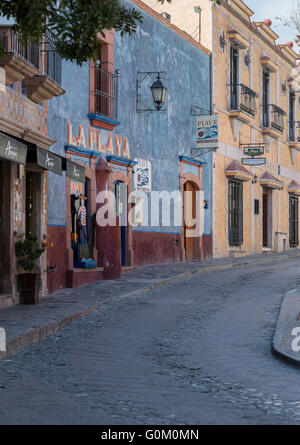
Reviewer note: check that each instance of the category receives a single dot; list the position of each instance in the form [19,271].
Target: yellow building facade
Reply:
[255,95]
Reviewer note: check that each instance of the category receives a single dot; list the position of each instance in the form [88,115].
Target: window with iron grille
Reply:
[234,77]
[265,98]
[106,93]
[294,220]
[292,123]
[235,213]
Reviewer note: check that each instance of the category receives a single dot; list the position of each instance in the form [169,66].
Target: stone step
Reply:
[6,300]
[236,253]
[267,251]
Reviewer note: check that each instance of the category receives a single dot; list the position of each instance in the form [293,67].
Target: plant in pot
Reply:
[29,282]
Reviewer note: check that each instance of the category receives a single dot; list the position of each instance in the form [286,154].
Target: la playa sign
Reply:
[115,144]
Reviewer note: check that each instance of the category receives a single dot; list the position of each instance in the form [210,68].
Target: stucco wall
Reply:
[277,151]
[158,137]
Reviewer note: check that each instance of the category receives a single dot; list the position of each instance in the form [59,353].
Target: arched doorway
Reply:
[189,206]
[120,192]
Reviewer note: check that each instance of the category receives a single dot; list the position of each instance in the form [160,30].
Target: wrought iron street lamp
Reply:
[159,93]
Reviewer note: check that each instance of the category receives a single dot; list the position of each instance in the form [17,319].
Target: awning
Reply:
[235,170]
[74,171]
[270,181]
[12,150]
[45,159]
[294,188]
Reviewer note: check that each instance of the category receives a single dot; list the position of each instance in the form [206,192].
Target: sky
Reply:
[270,9]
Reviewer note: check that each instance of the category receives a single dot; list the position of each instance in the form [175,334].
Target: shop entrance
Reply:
[266,217]
[82,226]
[1,222]
[189,216]
[33,204]
[120,192]
[6,285]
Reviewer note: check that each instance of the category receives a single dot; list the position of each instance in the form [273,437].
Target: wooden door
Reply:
[189,225]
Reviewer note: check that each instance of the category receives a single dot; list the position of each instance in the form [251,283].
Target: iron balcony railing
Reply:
[242,98]
[294,131]
[42,55]
[106,93]
[52,61]
[273,117]
[12,44]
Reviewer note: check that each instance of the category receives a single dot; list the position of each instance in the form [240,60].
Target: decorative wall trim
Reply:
[102,122]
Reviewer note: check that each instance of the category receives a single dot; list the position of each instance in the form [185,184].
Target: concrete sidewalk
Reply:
[25,325]
[285,343]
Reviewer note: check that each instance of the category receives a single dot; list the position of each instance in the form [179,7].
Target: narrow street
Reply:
[196,351]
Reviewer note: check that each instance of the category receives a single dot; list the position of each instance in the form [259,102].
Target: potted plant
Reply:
[29,282]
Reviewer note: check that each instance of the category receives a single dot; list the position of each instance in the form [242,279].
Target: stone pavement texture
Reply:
[286,341]
[25,325]
[192,351]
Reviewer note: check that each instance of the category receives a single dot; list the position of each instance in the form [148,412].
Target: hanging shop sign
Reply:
[12,150]
[254,151]
[48,160]
[207,131]
[142,175]
[253,161]
[75,172]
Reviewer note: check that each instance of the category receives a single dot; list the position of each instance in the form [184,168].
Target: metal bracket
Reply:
[256,144]
[198,111]
[141,107]
[204,151]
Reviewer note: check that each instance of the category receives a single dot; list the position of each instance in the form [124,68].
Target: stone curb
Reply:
[34,335]
[287,320]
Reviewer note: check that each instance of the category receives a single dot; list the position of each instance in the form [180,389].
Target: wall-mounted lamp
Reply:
[205,204]
[159,93]
[247,59]
[254,179]
[222,41]
[157,89]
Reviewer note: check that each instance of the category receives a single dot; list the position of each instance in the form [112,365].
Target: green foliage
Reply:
[75,24]
[28,253]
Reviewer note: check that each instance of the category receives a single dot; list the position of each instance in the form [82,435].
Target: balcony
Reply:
[19,60]
[294,132]
[273,119]
[294,139]
[37,65]
[242,102]
[104,100]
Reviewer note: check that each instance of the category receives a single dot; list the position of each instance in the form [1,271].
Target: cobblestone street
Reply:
[195,351]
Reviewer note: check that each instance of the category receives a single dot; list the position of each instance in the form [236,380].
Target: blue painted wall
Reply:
[158,137]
